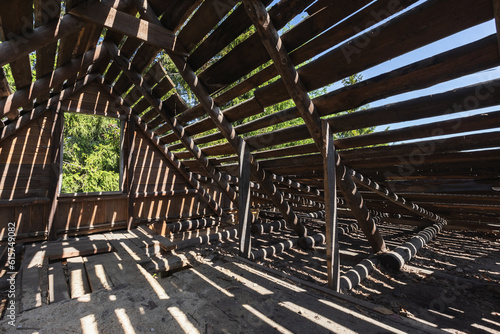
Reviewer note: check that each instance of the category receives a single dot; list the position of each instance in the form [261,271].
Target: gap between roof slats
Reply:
[293,37]
[350,88]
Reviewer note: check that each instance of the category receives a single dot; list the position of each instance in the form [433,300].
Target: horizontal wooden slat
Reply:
[129,25]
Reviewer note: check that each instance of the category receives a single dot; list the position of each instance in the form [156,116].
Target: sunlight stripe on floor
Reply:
[267,320]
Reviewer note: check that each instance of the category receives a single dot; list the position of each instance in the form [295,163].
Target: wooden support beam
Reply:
[20,45]
[131,158]
[244,214]
[397,199]
[190,178]
[234,140]
[229,133]
[56,139]
[171,122]
[21,122]
[330,186]
[10,104]
[205,196]
[296,89]
[129,25]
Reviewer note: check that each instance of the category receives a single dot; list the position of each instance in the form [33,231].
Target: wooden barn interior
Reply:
[234,215]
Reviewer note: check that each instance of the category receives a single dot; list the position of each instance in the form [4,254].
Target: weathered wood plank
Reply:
[129,25]
[124,245]
[44,35]
[43,85]
[330,191]
[98,279]
[239,61]
[78,281]
[31,276]
[45,11]
[224,34]
[58,288]
[244,213]
[165,243]
[17,19]
[203,21]
[63,250]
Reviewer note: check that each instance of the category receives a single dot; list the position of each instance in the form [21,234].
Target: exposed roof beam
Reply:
[21,122]
[129,25]
[20,45]
[228,131]
[9,106]
[235,141]
[297,91]
[190,177]
[205,196]
[171,122]
[155,140]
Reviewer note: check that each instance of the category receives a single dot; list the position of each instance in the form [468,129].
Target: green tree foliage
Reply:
[353,79]
[91,154]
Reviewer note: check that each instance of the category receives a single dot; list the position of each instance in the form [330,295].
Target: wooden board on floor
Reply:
[124,245]
[63,250]
[98,278]
[58,288]
[78,282]
[144,239]
[119,268]
[150,247]
[169,263]
[31,275]
[165,243]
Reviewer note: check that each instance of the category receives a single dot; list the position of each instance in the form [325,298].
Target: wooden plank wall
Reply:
[25,174]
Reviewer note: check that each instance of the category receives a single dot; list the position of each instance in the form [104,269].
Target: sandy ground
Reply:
[453,283]
[217,295]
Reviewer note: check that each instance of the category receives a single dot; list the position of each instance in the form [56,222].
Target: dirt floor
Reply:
[452,284]
[217,294]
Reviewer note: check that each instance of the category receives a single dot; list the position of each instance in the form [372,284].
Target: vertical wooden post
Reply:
[56,169]
[130,171]
[244,214]
[330,186]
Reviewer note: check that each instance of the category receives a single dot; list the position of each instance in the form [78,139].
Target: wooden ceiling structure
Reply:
[438,166]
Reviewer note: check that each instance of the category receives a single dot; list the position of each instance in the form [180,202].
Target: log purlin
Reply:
[10,104]
[229,133]
[235,141]
[297,91]
[177,129]
[189,176]
[397,199]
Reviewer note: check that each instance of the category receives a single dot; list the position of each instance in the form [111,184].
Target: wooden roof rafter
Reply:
[9,105]
[226,128]
[157,104]
[178,165]
[52,102]
[155,140]
[291,79]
